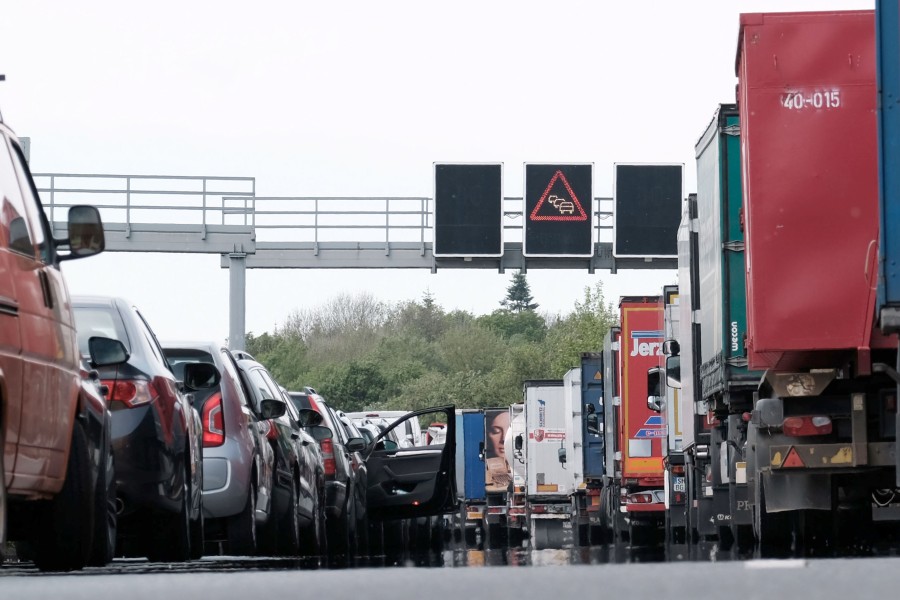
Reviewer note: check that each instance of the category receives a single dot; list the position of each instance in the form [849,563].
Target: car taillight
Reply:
[131,392]
[327,447]
[272,431]
[213,422]
[808,425]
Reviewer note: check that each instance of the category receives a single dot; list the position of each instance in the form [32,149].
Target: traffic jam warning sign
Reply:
[558,210]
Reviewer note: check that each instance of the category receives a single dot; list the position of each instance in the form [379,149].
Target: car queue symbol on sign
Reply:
[558,210]
[559,206]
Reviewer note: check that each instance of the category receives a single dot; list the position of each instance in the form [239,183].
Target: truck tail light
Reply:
[213,422]
[131,392]
[327,447]
[808,425]
[678,469]
[640,498]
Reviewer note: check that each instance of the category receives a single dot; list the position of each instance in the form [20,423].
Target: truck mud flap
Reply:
[706,517]
[740,505]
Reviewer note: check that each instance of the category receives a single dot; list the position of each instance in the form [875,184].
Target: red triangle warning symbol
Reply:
[559,202]
[792,459]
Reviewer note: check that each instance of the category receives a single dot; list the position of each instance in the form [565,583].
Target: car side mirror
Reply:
[356,444]
[671,348]
[673,372]
[518,442]
[589,409]
[561,454]
[85,232]
[201,376]
[481,451]
[593,424]
[271,408]
[106,352]
[654,394]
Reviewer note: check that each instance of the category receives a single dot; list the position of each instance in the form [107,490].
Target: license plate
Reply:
[678,484]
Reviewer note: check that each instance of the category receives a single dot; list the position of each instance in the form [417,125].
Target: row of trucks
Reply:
[537,470]
[754,403]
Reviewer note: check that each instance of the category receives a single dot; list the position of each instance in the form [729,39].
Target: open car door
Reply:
[416,481]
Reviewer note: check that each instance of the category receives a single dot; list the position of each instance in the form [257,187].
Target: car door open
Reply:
[418,481]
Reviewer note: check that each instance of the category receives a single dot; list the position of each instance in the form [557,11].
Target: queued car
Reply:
[156,435]
[344,490]
[238,461]
[54,428]
[299,472]
[407,434]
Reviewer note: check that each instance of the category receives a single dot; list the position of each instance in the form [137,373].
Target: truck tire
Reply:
[774,531]
[105,518]
[66,528]
[241,528]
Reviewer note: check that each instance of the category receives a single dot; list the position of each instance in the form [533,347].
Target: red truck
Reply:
[633,494]
[821,439]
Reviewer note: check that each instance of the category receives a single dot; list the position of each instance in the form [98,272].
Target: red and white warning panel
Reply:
[558,210]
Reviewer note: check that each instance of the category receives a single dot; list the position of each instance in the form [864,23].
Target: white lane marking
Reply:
[795,563]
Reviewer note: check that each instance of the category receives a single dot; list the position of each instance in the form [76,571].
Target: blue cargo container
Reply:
[469,466]
[888,47]
[592,416]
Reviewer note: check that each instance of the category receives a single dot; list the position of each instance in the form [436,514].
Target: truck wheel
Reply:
[65,530]
[241,528]
[773,530]
[105,518]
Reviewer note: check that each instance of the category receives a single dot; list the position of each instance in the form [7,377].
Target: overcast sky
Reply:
[359,98]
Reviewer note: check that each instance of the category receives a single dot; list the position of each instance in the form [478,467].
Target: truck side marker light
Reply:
[792,460]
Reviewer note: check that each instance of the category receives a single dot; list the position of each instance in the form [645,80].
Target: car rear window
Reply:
[178,357]
[99,321]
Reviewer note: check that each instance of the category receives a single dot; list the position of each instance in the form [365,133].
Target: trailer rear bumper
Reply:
[831,457]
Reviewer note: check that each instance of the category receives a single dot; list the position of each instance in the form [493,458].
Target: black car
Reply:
[345,476]
[299,472]
[156,436]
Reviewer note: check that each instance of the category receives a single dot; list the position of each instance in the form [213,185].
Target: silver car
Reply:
[238,461]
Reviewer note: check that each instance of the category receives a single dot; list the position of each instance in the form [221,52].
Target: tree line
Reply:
[364,354]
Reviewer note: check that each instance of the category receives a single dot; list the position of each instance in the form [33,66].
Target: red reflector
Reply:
[678,469]
[213,422]
[808,425]
[640,498]
[538,509]
[415,502]
[678,497]
[792,460]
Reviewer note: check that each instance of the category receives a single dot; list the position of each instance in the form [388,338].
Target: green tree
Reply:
[582,330]
[527,325]
[518,295]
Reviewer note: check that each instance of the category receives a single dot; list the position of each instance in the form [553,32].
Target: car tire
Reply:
[241,528]
[65,531]
[339,535]
[105,518]
[198,534]
[172,533]
[311,539]
[2,501]
[289,528]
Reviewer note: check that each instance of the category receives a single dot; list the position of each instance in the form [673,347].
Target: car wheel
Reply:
[64,536]
[339,534]
[105,518]
[198,534]
[362,536]
[241,528]
[2,503]
[289,530]
[311,539]
[172,533]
